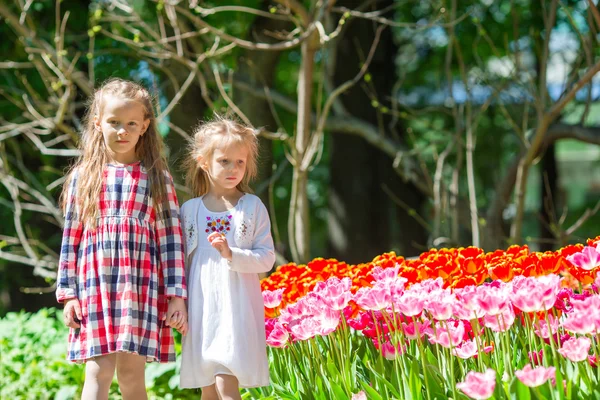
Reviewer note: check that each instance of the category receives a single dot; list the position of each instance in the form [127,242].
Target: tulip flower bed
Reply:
[454,323]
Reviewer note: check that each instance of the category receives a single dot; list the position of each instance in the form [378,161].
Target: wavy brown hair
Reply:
[94,156]
[213,134]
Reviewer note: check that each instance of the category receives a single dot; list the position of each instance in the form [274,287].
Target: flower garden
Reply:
[453,323]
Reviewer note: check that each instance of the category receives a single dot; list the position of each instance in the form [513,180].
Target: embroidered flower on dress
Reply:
[218,224]
[190,230]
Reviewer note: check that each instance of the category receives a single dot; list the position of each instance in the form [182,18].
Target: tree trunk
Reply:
[258,68]
[549,200]
[363,219]
[299,217]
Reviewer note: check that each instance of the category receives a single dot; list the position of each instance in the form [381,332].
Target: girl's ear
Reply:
[97,123]
[145,126]
[202,163]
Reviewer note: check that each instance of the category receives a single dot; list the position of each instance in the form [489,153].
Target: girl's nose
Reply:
[121,131]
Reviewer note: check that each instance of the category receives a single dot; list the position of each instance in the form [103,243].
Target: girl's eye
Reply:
[132,124]
[224,161]
[241,162]
[113,122]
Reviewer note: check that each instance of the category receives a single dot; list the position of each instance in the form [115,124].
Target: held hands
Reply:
[176,316]
[219,242]
[72,314]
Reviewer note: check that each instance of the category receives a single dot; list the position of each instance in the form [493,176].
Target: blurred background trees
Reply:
[385,125]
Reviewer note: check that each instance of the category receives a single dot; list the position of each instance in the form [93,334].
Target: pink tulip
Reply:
[328,321]
[359,396]
[303,307]
[576,349]
[428,285]
[440,304]
[449,334]
[501,322]
[338,303]
[584,318]
[535,357]
[273,298]
[492,300]
[410,303]
[415,329]
[479,385]
[334,292]
[588,258]
[531,294]
[333,286]
[305,328]
[534,377]
[543,330]
[581,323]
[465,350]
[269,325]
[387,275]
[374,298]
[391,352]
[359,323]
[468,307]
[279,336]
[589,304]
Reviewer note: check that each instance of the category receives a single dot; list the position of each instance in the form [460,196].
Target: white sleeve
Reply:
[261,257]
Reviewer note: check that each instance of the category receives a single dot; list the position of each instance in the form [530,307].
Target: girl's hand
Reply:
[219,242]
[72,314]
[176,316]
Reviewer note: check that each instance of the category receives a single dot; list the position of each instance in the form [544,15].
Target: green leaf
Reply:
[338,391]
[371,393]
[414,381]
[518,391]
[389,385]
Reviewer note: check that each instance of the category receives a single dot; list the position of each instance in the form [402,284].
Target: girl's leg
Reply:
[228,387]
[99,373]
[131,370]
[210,393]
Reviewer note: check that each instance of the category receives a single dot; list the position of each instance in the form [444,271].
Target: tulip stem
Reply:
[422,351]
[450,359]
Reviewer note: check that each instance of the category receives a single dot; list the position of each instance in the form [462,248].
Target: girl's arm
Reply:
[66,285]
[262,255]
[170,244]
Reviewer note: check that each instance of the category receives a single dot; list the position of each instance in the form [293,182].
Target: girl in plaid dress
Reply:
[227,244]
[121,275]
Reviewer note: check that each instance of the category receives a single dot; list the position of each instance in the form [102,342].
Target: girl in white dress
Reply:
[227,244]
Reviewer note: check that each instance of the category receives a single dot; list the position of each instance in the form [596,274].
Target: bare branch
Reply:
[248,10]
[15,65]
[245,43]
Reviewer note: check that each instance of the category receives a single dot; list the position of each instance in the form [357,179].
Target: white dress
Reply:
[225,305]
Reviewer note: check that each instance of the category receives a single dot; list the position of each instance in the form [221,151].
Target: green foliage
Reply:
[32,351]
[33,356]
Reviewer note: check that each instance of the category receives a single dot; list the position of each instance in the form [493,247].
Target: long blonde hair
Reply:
[209,136]
[94,156]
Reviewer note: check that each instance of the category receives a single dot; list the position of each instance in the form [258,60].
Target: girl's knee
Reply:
[130,368]
[227,386]
[210,393]
[100,369]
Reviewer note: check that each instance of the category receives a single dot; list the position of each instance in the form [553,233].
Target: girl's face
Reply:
[227,166]
[122,123]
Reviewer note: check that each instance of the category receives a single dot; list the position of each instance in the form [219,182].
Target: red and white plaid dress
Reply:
[124,270]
